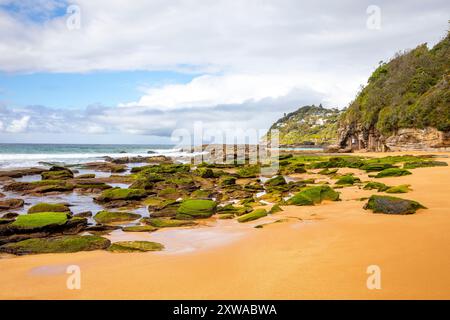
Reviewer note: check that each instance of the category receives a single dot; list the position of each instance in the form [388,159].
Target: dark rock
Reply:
[392,205]
[10,204]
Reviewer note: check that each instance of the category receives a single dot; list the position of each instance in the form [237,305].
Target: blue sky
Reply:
[78,90]
[141,71]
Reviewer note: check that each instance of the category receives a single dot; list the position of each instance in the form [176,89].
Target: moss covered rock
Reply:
[392,172]
[226,216]
[275,181]
[348,179]
[167,223]
[146,228]
[313,195]
[194,209]
[424,164]
[49,207]
[227,180]
[392,205]
[254,215]
[373,167]
[275,208]
[135,246]
[403,188]
[39,220]
[57,173]
[376,185]
[59,244]
[250,171]
[121,194]
[106,217]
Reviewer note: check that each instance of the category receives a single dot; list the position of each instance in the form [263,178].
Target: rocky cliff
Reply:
[404,106]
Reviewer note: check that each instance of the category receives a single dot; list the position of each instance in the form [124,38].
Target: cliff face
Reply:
[309,125]
[404,106]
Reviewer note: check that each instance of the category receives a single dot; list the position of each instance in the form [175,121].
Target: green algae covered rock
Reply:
[135,246]
[250,171]
[226,216]
[392,205]
[373,167]
[205,173]
[39,220]
[424,164]
[193,209]
[146,228]
[376,185]
[403,188]
[115,217]
[61,244]
[167,223]
[392,172]
[313,195]
[275,181]
[254,215]
[227,180]
[347,179]
[121,194]
[275,208]
[48,207]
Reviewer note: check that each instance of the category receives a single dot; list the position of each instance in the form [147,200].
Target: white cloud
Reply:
[18,125]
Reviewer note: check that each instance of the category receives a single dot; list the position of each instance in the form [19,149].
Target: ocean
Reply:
[17,155]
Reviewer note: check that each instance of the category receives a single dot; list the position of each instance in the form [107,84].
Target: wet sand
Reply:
[319,252]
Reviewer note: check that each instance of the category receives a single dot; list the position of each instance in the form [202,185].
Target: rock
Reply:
[107,217]
[392,172]
[101,229]
[226,216]
[121,194]
[195,209]
[249,171]
[376,185]
[2,195]
[254,215]
[205,173]
[39,225]
[11,204]
[328,171]
[48,207]
[61,244]
[86,176]
[275,208]
[372,167]
[37,187]
[392,205]
[424,164]
[150,152]
[105,167]
[84,214]
[146,228]
[404,188]
[135,246]
[275,181]
[10,215]
[18,173]
[167,223]
[5,221]
[201,194]
[90,185]
[166,208]
[227,181]
[313,195]
[347,180]
[57,173]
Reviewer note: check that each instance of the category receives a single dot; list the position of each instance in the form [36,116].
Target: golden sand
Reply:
[319,252]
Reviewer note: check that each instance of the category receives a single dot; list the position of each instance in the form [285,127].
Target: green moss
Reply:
[328,171]
[275,181]
[275,208]
[62,244]
[392,205]
[115,217]
[372,167]
[48,207]
[57,175]
[205,172]
[135,246]
[424,164]
[254,215]
[227,180]
[392,172]
[404,188]
[347,179]
[250,171]
[376,185]
[201,194]
[41,219]
[313,195]
[86,176]
[167,223]
[196,209]
[146,228]
[122,194]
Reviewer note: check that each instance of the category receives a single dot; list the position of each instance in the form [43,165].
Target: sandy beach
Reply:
[318,252]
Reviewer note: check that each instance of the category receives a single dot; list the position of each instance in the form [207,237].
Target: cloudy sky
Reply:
[133,71]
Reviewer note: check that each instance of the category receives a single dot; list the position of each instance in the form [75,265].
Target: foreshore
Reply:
[316,252]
